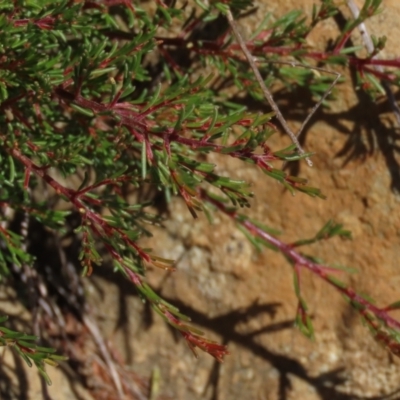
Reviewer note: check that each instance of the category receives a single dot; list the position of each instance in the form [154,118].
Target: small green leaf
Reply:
[84,111]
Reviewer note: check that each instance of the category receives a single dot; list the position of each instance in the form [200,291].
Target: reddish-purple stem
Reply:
[300,261]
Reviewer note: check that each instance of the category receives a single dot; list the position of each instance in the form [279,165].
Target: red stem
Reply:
[301,261]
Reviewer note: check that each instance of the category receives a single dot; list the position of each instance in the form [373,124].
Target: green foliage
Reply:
[108,94]
[329,230]
[31,353]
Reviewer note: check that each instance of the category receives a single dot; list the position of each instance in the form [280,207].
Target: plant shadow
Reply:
[225,326]
[371,131]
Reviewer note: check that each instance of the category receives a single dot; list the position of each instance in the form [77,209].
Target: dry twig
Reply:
[263,87]
[97,337]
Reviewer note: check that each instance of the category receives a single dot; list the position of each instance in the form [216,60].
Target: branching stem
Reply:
[265,90]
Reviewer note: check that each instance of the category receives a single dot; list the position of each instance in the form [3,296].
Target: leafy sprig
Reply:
[384,328]
[31,353]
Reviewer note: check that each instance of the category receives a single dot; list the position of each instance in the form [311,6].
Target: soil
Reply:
[246,299]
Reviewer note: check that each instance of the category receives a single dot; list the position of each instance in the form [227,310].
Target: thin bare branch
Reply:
[322,98]
[263,87]
[94,330]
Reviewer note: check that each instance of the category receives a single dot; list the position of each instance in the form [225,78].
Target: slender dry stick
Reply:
[94,330]
[369,45]
[263,87]
[322,98]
